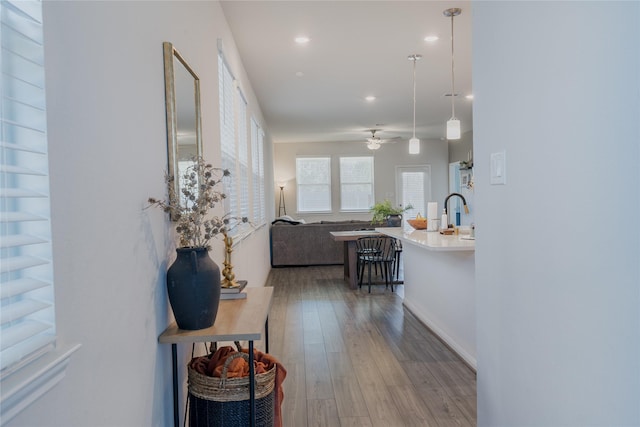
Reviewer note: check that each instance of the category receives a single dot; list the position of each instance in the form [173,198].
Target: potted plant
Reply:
[384,211]
[193,280]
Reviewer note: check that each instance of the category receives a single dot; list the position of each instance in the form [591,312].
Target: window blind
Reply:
[414,188]
[313,177]
[257,194]
[263,202]
[227,134]
[26,271]
[356,183]
[242,178]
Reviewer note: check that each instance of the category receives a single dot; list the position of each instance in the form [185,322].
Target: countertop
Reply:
[430,240]
[341,236]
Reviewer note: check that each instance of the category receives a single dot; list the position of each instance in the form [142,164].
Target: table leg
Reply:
[350,264]
[346,260]
[266,335]
[174,360]
[252,387]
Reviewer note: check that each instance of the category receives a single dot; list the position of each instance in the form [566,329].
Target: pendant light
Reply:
[453,124]
[414,143]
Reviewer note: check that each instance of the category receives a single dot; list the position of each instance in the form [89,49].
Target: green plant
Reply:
[382,210]
[199,194]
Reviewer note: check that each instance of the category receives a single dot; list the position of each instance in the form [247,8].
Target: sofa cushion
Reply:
[286,221]
[309,244]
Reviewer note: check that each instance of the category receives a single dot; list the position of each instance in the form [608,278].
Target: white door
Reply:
[413,187]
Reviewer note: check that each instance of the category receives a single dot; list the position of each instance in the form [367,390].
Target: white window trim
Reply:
[24,387]
[330,208]
[240,163]
[229,137]
[257,173]
[39,369]
[373,188]
[242,159]
[263,196]
[426,168]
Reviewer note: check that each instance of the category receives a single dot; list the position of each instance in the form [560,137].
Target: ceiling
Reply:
[357,48]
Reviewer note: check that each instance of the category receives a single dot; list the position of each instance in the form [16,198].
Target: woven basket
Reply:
[224,402]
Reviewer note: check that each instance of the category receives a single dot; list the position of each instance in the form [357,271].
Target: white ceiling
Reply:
[357,48]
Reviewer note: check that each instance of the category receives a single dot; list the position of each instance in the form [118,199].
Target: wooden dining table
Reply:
[350,258]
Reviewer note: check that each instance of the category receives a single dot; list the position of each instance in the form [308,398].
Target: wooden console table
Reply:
[237,320]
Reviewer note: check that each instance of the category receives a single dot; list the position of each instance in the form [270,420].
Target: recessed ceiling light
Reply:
[370,98]
[470,96]
[302,39]
[431,38]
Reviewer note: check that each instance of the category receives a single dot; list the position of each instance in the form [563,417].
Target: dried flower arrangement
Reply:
[199,194]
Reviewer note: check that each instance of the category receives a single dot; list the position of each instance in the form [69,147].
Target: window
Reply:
[27,274]
[313,177]
[227,133]
[26,270]
[263,206]
[234,145]
[356,183]
[242,178]
[257,175]
[414,188]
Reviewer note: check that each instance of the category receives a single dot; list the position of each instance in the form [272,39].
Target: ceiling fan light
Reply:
[453,129]
[414,146]
[373,145]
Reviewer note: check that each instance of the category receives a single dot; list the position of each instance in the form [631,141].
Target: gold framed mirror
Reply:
[184,121]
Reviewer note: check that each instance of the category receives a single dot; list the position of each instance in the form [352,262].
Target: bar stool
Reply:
[376,251]
[396,262]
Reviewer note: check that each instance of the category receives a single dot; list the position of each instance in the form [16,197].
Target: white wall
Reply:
[433,152]
[106,121]
[459,150]
[557,85]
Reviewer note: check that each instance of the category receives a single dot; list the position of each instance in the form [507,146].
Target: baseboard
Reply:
[451,344]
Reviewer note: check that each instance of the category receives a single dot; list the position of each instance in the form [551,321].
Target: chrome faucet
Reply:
[464,203]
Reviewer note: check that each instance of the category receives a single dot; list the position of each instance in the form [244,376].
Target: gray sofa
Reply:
[309,244]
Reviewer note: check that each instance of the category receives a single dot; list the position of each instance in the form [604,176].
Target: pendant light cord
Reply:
[415,59]
[453,90]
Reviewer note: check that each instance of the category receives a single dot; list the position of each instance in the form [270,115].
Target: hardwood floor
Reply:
[360,359]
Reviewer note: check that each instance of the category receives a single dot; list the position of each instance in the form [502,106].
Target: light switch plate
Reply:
[499,168]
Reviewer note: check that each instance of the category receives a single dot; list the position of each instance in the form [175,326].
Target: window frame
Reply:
[299,185]
[427,184]
[33,360]
[228,146]
[242,178]
[258,213]
[237,152]
[371,183]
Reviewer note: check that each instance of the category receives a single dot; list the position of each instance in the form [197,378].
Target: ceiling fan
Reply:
[375,142]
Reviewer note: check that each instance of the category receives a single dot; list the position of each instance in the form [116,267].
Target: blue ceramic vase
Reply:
[193,285]
[394,220]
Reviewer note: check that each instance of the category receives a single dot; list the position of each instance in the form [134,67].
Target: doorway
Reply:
[413,187]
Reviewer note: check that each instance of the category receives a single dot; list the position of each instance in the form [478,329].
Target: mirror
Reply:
[182,96]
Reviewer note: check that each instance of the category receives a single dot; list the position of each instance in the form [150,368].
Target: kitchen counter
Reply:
[439,285]
[430,240]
